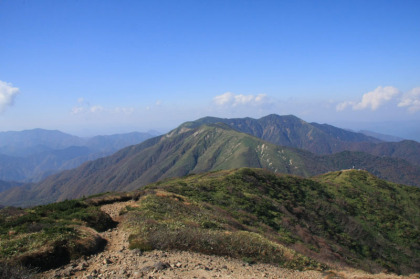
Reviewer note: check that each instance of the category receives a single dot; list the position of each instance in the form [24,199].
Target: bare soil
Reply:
[117,261]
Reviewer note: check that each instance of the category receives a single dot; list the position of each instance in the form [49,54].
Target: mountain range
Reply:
[276,143]
[317,138]
[31,155]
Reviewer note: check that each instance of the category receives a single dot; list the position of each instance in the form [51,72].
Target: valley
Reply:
[203,145]
[32,155]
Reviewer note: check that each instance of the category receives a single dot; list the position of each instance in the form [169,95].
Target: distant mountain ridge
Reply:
[292,131]
[317,138]
[381,136]
[31,155]
[5,185]
[195,149]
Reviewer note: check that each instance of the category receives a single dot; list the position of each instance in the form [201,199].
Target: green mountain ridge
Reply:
[188,150]
[322,139]
[292,131]
[346,218]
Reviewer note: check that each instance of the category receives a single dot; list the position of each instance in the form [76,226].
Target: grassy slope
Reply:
[50,235]
[339,218]
[373,225]
[387,214]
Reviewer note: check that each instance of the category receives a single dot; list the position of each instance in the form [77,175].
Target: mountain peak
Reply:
[289,117]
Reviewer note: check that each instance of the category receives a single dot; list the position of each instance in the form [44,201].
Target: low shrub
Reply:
[15,271]
[51,235]
[248,246]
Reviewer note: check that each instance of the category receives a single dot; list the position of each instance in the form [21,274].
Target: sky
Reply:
[90,67]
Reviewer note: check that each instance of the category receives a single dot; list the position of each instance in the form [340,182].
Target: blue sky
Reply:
[103,67]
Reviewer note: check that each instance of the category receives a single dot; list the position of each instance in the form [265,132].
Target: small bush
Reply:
[15,271]
[99,220]
[241,244]
[137,242]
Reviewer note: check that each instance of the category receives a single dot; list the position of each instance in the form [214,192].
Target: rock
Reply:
[83,265]
[68,272]
[136,252]
[161,266]
[146,269]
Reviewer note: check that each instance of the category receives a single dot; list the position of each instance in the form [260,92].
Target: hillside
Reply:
[347,216]
[380,136]
[32,155]
[406,149]
[205,148]
[22,143]
[291,131]
[332,223]
[5,185]
[317,138]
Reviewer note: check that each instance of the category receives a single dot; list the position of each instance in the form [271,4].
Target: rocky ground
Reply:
[117,261]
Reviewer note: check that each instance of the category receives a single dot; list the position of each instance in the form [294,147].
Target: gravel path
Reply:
[117,261]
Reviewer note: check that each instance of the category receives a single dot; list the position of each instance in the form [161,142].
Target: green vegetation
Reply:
[210,147]
[349,216]
[52,234]
[162,220]
[380,212]
[346,218]
[15,271]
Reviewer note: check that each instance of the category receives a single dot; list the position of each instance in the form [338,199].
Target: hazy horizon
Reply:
[359,127]
[104,67]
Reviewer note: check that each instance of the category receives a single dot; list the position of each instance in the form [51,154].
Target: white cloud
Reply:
[373,99]
[95,109]
[77,110]
[233,100]
[124,110]
[411,100]
[84,107]
[344,105]
[7,94]
[377,97]
[224,98]
[243,99]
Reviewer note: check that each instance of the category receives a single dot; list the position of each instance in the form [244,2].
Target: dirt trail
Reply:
[117,261]
[117,239]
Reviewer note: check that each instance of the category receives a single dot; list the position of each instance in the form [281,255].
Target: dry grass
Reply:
[350,273]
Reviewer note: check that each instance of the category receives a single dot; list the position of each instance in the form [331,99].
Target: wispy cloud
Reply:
[371,100]
[124,110]
[84,107]
[342,106]
[411,100]
[7,95]
[230,99]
